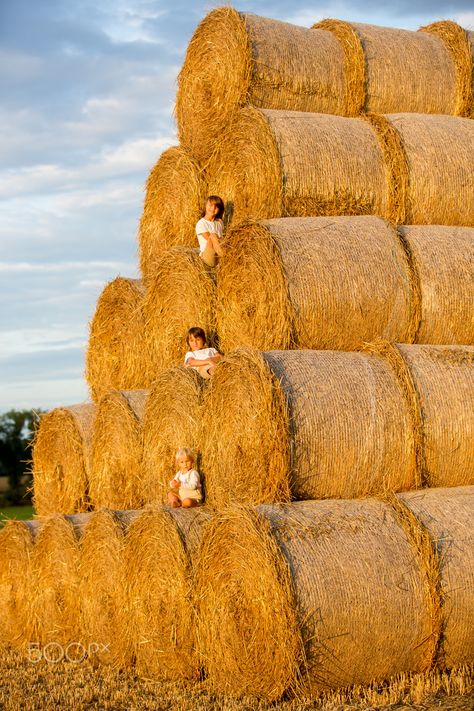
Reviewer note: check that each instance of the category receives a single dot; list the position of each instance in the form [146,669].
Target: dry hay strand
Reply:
[117,448]
[324,423]
[443,377]
[62,459]
[235,59]
[447,515]
[457,42]
[322,282]
[392,70]
[172,420]
[312,572]
[258,170]
[175,193]
[101,587]
[443,259]
[439,155]
[16,544]
[116,357]
[53,605]
[158,566]
[181,294]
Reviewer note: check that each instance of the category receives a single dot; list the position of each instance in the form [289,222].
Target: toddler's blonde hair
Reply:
[185,452]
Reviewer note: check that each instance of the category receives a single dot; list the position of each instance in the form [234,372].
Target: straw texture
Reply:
[325,423]
[322,282]
[172,420]
[396,70]
[62,459]
[181,294]
[16,544]
[412,168]
[235,59]
[159,549]
[444,262]
[117,449]
[356,585]
[115,358]
[459,44]
[447,515]
[443,377]
[175,193]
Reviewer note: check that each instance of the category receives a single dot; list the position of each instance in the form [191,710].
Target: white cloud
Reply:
[37,340]
[43,393]
[465,19]
[60,267]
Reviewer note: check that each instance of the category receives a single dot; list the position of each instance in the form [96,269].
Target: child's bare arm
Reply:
[193,362]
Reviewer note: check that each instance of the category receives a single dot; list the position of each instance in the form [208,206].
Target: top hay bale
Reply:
[235,59]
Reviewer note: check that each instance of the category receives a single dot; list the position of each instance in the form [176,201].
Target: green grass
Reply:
[20,512]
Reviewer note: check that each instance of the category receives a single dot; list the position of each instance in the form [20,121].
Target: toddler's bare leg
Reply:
[189,503]
[174,500]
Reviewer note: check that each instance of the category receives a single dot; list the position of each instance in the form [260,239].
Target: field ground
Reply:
[77,687]
[19,512]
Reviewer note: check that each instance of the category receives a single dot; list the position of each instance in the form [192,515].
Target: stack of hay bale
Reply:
[343,304]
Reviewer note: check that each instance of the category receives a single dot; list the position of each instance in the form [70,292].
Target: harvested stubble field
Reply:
[35,687]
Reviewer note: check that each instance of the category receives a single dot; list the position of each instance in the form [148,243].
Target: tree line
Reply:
[17,431]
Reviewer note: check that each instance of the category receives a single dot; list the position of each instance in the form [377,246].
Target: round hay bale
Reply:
[116,357]
[314,283]
[447,514]
[443,378]
[439,154]
[234,59]
[172,420]
[175,195]
[101,587]
[160,548]
[459,43]
[54,612]
[181,294]
[311,575]
[16,544]
[319,423]
[282,163]
[117,448]
[443,259]
[396,70]
[62,459]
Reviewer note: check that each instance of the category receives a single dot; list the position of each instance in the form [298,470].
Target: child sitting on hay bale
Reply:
[199,357]
[186,483]
[209,230]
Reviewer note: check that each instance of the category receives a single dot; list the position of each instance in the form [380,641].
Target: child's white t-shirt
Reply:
[202,354]
[188,480]
[204,225]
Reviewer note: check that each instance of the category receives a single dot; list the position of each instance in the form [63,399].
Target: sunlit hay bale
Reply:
[448,516]
[283,163]
[62,459]
[16,544]
[117,448]
[350,574]
[389,69]
[101,587]
[460,45]
[116,357]
[440,188]
[175,194]
[235,59]
[314,283]
[160,548]
[53,610]
[443,259]
[172,420]
[317,423]
[181,294]
[443,378]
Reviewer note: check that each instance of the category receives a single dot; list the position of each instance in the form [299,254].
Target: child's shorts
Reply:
[185,493]
[203,370]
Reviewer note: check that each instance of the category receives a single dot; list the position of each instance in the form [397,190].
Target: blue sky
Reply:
[87,93]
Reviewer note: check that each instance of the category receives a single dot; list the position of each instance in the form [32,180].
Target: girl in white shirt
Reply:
[209,230]
[186,484]
[199,357]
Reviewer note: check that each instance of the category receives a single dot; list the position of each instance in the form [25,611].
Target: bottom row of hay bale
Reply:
[301,597]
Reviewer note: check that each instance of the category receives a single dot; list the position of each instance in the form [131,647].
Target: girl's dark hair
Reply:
[197,332]
[218,202]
